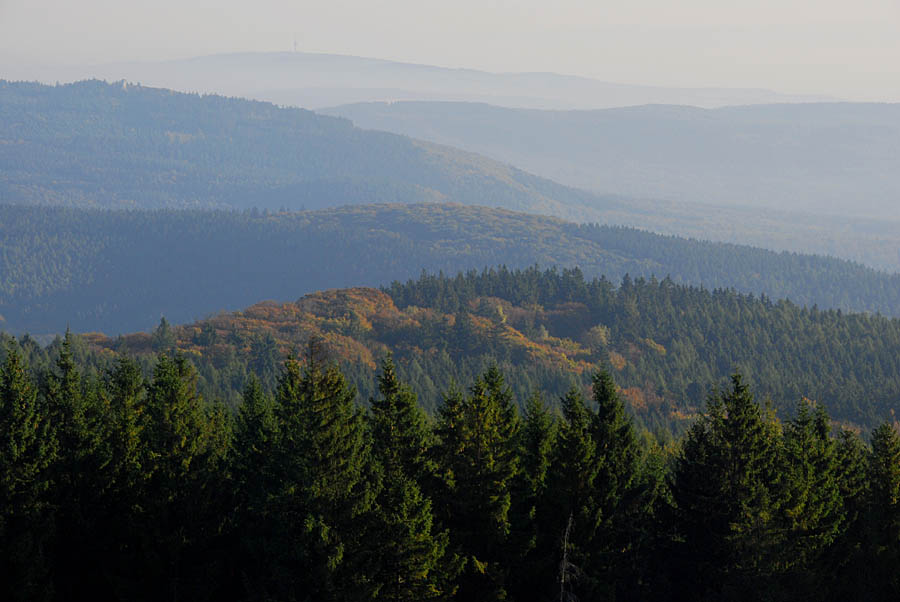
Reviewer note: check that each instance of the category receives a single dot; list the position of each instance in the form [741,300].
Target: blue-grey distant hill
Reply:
[825,158]
[93,144]
[118,271]
[313,80]
[819,177]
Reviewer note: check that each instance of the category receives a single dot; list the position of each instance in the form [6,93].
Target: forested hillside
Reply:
[119,271]
[665,344]
[93,144]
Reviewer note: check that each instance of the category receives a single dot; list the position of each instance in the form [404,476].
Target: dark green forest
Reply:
[119,271]
[126,486]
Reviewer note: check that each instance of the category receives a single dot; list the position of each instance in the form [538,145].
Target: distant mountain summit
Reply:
[313,80]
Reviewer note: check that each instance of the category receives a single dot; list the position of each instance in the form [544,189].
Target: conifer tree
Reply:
[77,413]
[255,437]
[124,472]
[477,451]
[255,479]
[186,442]
[537,440]
[574,511]
[409,550]
[327,485]
[399,428]
[726,494]
[618,489]
[883,552]
[845,568]
[812,505]
[27,451]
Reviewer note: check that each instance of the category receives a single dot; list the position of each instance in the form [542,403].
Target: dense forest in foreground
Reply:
[125,487]
[119,271]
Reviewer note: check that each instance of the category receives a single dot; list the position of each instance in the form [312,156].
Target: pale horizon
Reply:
[814,48]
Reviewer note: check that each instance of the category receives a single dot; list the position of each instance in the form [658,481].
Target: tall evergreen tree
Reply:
[620,492]
[77,410]
[477,438]
[845,566]
[409,549]
[537,440]
[27,451]
[812,509]
[573,510]
[725,489]
[124,470]
[327,490]
[255,479]
[186,441]
[883,552]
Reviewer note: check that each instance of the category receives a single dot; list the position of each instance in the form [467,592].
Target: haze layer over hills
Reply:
[313,80]
[826,158]
[102,145]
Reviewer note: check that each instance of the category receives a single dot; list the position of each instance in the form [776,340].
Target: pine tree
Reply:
[77,413]
[845,566]
[725,491]
[572,504]
[476,449]
[408,550]
[255,437]
[400,433]
[327,486]
[812,505]
[618,489]
[163,337]
[883,552]
[537,440]
[27,451]
[186,442]
[124,473]
[255,479]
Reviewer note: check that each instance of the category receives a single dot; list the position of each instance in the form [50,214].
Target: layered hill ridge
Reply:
[666,344]
[119,271]
[314,80]
[93,144]
[772,175]
[837,158]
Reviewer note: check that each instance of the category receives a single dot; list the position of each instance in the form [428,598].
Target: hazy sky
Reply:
[849,49]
